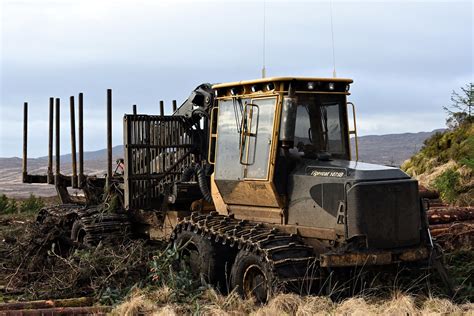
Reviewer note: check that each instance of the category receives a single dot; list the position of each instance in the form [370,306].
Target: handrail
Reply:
[246,133]
[354,131]
[211,155]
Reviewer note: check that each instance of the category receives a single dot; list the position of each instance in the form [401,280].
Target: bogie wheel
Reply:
[251,276]
[198,254]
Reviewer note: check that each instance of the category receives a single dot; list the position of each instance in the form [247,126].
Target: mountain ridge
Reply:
[391,149]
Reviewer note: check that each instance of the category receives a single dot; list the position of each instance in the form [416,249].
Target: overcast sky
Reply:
[405,57]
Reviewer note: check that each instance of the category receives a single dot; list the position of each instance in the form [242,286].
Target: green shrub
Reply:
[447,184]
[468,162]
[31,205]
[454,144]
[7,206]
[167,269]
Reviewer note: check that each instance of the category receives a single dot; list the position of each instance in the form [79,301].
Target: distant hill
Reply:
[117,152]
[391,149]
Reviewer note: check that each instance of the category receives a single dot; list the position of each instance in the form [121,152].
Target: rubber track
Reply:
[290,259]
[105,226]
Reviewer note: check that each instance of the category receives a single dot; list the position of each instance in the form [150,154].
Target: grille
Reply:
[387,213]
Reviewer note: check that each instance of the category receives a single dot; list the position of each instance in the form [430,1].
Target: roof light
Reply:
[310,85]
[270,86]
[234,91]
[331,86]
[254,88]
[348,87]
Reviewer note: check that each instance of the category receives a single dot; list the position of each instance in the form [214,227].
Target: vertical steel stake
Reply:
[50,141]
[109,136]
[25,143]
[58,151]
[162,108]
[73,143]
[80,183]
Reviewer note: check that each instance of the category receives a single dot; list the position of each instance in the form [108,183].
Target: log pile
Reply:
[451,226]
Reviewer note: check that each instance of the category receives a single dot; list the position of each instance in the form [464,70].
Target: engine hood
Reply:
[349,170]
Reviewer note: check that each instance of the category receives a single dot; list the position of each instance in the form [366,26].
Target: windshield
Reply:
[320,125]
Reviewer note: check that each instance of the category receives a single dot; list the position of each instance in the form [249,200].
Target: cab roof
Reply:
[279,79]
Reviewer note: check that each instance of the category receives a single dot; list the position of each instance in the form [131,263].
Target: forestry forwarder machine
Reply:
[253,182]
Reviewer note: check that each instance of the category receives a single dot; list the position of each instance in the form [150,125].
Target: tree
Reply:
[460,110]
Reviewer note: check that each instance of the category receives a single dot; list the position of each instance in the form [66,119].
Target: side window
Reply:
[227,152]
[332,121]
[230,165]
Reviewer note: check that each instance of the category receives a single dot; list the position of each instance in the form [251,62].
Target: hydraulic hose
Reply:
[201,179]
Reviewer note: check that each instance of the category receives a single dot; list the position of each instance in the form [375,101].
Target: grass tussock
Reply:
[211,303]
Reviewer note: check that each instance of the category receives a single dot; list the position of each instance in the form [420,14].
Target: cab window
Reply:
[245,129]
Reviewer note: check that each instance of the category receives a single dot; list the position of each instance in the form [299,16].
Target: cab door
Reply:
[244,152]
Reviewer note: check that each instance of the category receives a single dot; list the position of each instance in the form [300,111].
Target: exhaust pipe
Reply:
[73,143]
[162,108]
[175,106]
[134,109]
[25,143]
[80,182]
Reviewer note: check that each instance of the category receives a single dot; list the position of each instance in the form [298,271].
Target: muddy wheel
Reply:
[251,276]
[198,255]
[78,232]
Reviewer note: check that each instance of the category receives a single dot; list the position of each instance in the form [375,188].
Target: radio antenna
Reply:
[264,30]
[332,38]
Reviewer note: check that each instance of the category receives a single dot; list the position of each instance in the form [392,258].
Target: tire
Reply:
[251,276]
[198,254]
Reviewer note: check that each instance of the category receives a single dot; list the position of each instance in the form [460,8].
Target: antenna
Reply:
[332,37]
[263,52]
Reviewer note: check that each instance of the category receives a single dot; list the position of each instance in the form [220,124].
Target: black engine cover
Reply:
[385,212]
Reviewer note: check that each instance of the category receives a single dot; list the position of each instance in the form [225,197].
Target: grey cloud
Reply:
[404,56]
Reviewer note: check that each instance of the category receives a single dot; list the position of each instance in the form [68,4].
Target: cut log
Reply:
[427,194]
[90,310]
[69,302]
[448,215]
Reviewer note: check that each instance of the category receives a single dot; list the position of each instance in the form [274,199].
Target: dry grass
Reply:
[426,179]
[157,302]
